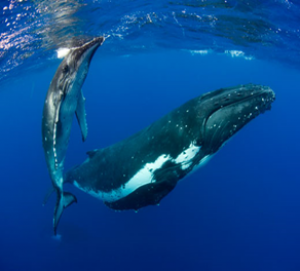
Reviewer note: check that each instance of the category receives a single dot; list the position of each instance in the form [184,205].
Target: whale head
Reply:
[74,67]
[224,112]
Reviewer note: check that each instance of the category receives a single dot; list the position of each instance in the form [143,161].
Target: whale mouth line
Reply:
[222,123]
[94,41]
[264,99]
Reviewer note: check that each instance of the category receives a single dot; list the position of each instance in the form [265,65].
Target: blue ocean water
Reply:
[239,212]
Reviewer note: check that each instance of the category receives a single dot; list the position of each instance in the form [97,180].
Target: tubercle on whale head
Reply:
[222,113]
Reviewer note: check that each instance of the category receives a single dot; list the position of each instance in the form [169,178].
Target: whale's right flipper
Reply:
[64,200]
[81,116]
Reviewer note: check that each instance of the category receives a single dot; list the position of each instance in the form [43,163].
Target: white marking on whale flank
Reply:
[185,158]
[146,175]
[142,177]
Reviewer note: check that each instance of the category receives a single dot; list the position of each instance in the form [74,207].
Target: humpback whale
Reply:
[64,99]
[144,168]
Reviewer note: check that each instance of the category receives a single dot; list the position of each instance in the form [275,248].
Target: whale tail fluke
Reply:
[69,199]
[64,200]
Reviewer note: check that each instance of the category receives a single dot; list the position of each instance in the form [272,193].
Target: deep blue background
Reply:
[239,212]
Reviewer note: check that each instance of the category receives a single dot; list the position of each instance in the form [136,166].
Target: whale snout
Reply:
[267,98]
[96,42]
[231,109]
[84,53]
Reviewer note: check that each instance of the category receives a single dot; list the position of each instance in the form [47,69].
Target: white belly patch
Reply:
[145,175]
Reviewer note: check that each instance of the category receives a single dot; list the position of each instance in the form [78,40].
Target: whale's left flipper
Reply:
[81,116]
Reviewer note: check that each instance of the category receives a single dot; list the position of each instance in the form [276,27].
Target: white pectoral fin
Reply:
[81,116]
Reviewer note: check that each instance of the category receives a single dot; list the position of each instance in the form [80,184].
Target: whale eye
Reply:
[65,69]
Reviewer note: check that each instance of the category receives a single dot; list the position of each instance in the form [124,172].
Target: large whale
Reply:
[64,99]
[145,167]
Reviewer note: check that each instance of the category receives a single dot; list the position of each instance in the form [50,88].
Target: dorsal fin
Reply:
[92,153]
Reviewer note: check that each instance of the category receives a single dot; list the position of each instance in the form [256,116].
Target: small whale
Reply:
[64,99]
[144,168]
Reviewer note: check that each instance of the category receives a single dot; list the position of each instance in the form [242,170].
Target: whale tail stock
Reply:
[64,199]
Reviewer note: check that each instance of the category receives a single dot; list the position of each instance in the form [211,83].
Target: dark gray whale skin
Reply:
[64,100]
[169,149]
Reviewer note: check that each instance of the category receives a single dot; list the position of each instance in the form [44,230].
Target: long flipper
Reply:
[81,116]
